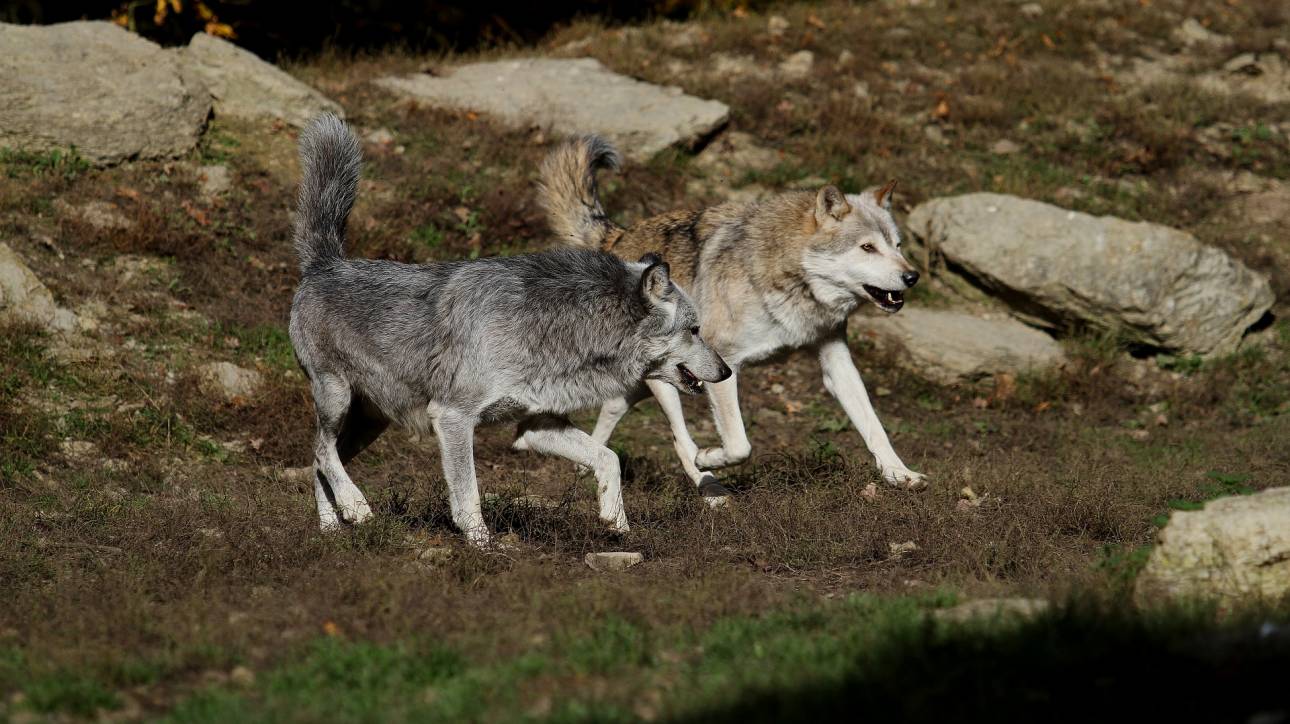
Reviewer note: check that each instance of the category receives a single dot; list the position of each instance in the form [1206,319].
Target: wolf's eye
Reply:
[868,247]
[694,331]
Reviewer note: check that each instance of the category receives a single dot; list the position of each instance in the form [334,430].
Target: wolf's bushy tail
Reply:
[568,190]
[330,162]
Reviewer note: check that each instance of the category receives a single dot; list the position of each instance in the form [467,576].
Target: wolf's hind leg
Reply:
[456,435]
[557,436]
[735,447]
[332,400]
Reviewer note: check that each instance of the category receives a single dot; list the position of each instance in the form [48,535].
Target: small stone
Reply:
[98,214]
[379,137]
[76,449]
[214,180]
[229,380]
[870,491]
[241,676]
[1031,10]
[900,549]
[798,65]
[1018,609]
[934,134]
[434,555]
[846,57]
[616,561]
[860,89]
[1003,147]
[777,25]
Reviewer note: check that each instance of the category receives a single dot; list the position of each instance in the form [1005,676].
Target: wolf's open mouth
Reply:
[692,382]
[889,301]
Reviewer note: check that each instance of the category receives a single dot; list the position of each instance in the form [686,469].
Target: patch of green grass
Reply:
[269,342]
[68,164]
[885,656]
[217,145]
[428,235]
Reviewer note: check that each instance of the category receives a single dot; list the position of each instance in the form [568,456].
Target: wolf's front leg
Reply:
[557,436]
[456,434]
[735,448]
[842,380]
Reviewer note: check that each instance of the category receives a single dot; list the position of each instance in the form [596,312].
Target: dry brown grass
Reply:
[192,552]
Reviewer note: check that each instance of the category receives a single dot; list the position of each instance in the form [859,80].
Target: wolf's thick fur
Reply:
[448,346]
[767,276]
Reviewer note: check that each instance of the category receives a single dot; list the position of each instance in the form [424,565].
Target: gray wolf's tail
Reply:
[568,191]
[330,162]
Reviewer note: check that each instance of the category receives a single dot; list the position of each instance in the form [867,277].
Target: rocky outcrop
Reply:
[1233,550]
[570,96]
[245,86]
[91,85]
[1157,286]
[950,346]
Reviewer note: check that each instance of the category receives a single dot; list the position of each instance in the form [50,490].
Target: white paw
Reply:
[328,523]
[618,525]
[478,536]
[903,477]
[354,511]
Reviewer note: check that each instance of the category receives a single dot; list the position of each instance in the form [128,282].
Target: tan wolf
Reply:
[767,276]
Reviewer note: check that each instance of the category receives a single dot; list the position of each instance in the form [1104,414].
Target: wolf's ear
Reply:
[655,280]
[831,205]
[883,195]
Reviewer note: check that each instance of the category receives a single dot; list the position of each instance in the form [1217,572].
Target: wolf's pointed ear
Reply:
[655,280]
[883,195]
[831,205]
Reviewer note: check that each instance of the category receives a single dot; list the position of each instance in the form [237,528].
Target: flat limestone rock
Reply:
[571,96]
[1015,609]
[245,86]
[1157,286]
[111,94]
[949,346]
[1233,550]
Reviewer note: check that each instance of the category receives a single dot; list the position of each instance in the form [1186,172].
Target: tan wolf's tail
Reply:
[568,191]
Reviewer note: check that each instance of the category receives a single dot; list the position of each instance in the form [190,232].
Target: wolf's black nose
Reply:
[725,372]
[910,278]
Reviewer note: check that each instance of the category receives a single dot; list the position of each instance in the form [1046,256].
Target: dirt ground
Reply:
[156,542]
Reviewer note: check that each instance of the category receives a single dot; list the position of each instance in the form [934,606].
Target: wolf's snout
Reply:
[723,371]
[910,278]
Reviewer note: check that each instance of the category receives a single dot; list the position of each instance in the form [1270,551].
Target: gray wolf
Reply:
[767,276]
[449,346]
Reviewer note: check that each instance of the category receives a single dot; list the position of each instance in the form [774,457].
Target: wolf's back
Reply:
[568,191]
[330,163]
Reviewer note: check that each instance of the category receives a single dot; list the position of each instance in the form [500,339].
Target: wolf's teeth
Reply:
[891,298]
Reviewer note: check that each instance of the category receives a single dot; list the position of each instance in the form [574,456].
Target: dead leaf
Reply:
[1048,42]
[814,21]
[472,116]
[195,213]
[942,109]
[330,628]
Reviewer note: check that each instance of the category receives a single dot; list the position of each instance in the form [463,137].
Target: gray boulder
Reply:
[1233,550]
[1156,285]
[948,346]
[570,96]
[24,298]
[92,85]
[247,87]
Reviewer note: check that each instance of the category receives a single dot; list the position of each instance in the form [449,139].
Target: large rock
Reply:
[92,85]
[571,96]
[949,347]
[24,298]
[1158,286]
[247,87]
[1234,550]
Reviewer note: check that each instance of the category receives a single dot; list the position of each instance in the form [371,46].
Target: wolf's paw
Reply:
[355,511]
[479,537]
[719,457]
[903,477]
[618,526]
[714,493]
